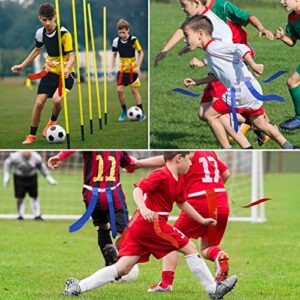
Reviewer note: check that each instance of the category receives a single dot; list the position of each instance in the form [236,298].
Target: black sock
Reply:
[54,118]
[140,106]
[124,107]
[33,130]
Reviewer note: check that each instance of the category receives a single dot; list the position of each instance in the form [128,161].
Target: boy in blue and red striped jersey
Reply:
[290,37]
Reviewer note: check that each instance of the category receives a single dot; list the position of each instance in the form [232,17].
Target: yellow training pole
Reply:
[95,65]
[104,65]
[78,70]
[62,75]
[88,66]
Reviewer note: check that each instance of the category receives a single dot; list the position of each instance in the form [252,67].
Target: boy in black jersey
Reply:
[48,88]
[129,69]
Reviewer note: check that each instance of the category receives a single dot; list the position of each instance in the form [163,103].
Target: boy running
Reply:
[290,37]
[129,69]
[149,232]
[226,63]
[48,88]
[205,191]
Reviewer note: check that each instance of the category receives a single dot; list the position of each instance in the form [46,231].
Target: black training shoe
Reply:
[296,147]
[223,287]
[110,254]
[20,218]
[38,218]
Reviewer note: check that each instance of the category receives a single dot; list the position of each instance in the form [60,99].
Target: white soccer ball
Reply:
[134,113]
[55,134]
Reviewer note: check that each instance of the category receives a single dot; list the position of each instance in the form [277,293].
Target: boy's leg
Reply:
[102,276]
[20,208]
[121,96]
[138,100]
[293,84]
[36,117]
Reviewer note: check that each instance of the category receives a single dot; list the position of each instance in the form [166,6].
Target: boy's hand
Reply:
[17,68]
[279,34]
[54,162]
[195,62]
[184,50]
[147,214]
[188,82]
[209,221]
[66,72]
[267,33]
[258,69]
[138,70]
[159,57]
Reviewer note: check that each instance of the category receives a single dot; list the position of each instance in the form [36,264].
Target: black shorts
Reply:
[101,217]
[26,184]
[49,84]
[126,79]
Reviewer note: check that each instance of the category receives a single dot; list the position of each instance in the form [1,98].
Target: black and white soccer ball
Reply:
[55,134]
[134,113]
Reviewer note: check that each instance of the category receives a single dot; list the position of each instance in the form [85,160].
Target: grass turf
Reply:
[16,107]
[174,120]
[36,258]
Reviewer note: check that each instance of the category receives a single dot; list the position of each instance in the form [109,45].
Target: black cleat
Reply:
[38,218]
[20,218]
[110,254]
[223,287]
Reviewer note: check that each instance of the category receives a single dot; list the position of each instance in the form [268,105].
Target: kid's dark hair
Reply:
[168,155]
[204,2]
[47,10]
[197,23]
[123,24]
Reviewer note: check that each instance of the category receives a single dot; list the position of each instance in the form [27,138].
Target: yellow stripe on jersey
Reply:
[137,46]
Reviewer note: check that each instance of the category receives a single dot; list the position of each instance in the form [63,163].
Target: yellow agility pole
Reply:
[95,65]
[104,65]
[88,66]
[78,70]
[62,75]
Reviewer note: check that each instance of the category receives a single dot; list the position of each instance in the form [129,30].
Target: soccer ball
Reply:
[134,113]
[55,134]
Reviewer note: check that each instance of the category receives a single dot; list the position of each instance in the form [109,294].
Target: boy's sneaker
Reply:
[245,128]
[223,287]
[143,117]
[38,218]
[262,138]
[20,218]
[123,116]
[222,266]
[29,139]
[290,124]
[110,254]
[159,288]
[72,287]
[49,124]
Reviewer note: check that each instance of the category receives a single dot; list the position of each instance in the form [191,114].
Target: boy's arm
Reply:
[173,40]
[139,62]
[28,60]
[190,81]
[191,212]
[69,64]
[257,68]
[113,62]
[255,22]
[280,35]
[138,197]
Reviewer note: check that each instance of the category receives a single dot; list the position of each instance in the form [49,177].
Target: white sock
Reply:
[199,268]
[35,206]
[101,277]
[21,210]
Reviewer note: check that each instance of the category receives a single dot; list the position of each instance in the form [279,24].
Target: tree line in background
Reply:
[19,22]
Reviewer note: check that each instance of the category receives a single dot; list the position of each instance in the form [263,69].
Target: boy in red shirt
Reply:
[150,233]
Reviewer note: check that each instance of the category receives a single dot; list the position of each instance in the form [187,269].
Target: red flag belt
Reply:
[256,202]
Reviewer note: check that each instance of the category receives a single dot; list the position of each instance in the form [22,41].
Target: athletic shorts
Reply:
[124,79]
[143,239]
[298,69]
[49,84]
[25,184]
[101,217]
[193,229]
[213,90]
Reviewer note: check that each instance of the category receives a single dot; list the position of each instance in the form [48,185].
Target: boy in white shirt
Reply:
[226,63]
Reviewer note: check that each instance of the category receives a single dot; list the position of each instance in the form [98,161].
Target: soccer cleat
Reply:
[158,288]
[143,117]
[49,124]
[110,254]
[296,147]
[290,124]
[38,218]
[245,128]
[29,139]
[20,218]
[223,287]
[122,116]
[262,138]
[72,287]
[222,266]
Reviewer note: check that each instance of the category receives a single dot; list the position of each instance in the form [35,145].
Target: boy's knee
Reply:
[120,89]
[39,104]
[290,82]
[202,116]
[57,100]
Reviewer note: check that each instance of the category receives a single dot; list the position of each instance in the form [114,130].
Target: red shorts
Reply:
[193,229]
[221,107]
[213,90]
[144,238]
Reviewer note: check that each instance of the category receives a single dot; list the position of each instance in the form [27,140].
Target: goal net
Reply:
[64,200]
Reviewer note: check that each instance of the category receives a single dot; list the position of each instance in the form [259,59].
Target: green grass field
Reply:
[36,258]
[174,117]
[16,107]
